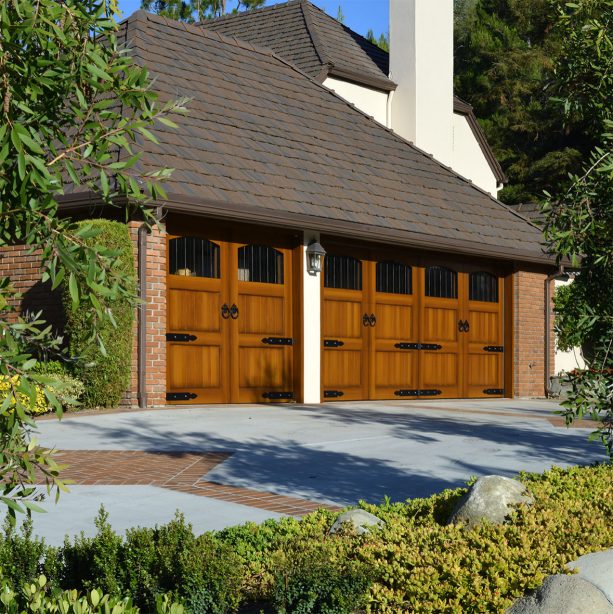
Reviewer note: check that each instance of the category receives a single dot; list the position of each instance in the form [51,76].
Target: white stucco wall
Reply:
[468,158]
[372,102]
[311,332]
[421,63]
[567,361]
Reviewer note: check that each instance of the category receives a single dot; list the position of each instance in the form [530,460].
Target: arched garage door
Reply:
[229,321]
[393,328]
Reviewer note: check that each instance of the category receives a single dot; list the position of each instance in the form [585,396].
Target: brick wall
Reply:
[529,351]
[155,312]
[22,267]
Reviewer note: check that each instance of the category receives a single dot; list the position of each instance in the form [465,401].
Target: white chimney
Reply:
[421,63]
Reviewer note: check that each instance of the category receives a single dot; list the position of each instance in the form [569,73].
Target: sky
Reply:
[360,15]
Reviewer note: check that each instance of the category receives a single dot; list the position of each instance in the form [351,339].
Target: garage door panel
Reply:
[483,370]
[193,310]
[396,370]
[261,315]
[343,319]
[394,322]
[440,324]
[195,366]
[263,368]
[342,369]
[484,327]
[439,370]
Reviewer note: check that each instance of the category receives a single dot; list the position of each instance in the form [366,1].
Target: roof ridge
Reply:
[196,29]
[262,9]
[315,38]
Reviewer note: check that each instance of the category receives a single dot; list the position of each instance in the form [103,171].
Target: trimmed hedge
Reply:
[415,563]
[105,378]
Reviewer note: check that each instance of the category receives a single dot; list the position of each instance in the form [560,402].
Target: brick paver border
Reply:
[178,471]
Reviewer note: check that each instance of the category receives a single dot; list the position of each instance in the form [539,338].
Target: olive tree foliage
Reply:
[579,223]
[73,107]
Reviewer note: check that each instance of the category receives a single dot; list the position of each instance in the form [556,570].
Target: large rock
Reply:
[563,595]
[490,498]
[359,520]
[597,568]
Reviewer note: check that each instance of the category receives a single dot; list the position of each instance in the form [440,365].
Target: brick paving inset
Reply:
[178,471]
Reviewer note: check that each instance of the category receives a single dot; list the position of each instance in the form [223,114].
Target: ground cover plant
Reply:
[415,563]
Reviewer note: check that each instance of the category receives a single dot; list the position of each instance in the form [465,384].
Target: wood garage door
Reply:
[392,329]
[229,321]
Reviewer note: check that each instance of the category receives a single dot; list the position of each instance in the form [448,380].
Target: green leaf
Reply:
[73,289]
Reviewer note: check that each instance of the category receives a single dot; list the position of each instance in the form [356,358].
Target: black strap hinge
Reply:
[494,348]
[180,337]
[278,340]
[493,391]
[278,395]
[180,396]
[333,394]
[333,343]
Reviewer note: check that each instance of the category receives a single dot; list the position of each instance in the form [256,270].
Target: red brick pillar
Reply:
[155,319]
[529,351]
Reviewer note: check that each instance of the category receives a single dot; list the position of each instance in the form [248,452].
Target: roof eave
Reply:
[387,85]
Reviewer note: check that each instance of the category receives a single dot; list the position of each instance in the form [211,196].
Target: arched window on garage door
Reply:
[342,272]
[483,286]
[193,257]
[260,263]
[394,278]
[441,282]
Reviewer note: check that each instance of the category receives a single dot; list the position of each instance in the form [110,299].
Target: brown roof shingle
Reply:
[263,141]
[316,43]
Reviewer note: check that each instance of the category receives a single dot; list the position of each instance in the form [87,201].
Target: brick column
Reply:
[155,310]
[529,351]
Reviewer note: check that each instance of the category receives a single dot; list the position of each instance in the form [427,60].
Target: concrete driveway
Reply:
[223,465]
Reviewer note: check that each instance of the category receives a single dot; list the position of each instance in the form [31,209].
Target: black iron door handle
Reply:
[463,326]
[234,312]
[365,320]
[372,320]
[225,311]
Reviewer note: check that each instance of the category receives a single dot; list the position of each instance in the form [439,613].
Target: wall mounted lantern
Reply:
[314,254]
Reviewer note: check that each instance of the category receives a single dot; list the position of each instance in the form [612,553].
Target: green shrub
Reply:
[415,563]
[106,378]
[201,572]
[319,578]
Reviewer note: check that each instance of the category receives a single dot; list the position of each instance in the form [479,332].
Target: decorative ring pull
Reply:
[225,311]
[365,320]
[234,313]
[372,320]
[463,326]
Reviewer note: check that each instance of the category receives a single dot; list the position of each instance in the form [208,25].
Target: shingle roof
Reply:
[316,43]
[264,142]
[321,46]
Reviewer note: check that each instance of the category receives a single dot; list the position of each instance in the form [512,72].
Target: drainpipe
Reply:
[388,118]
[143,230]
[559,274]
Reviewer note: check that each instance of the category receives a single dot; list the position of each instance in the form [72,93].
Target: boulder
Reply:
[597,568]
[489,498]
[360,521]
[561,594]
